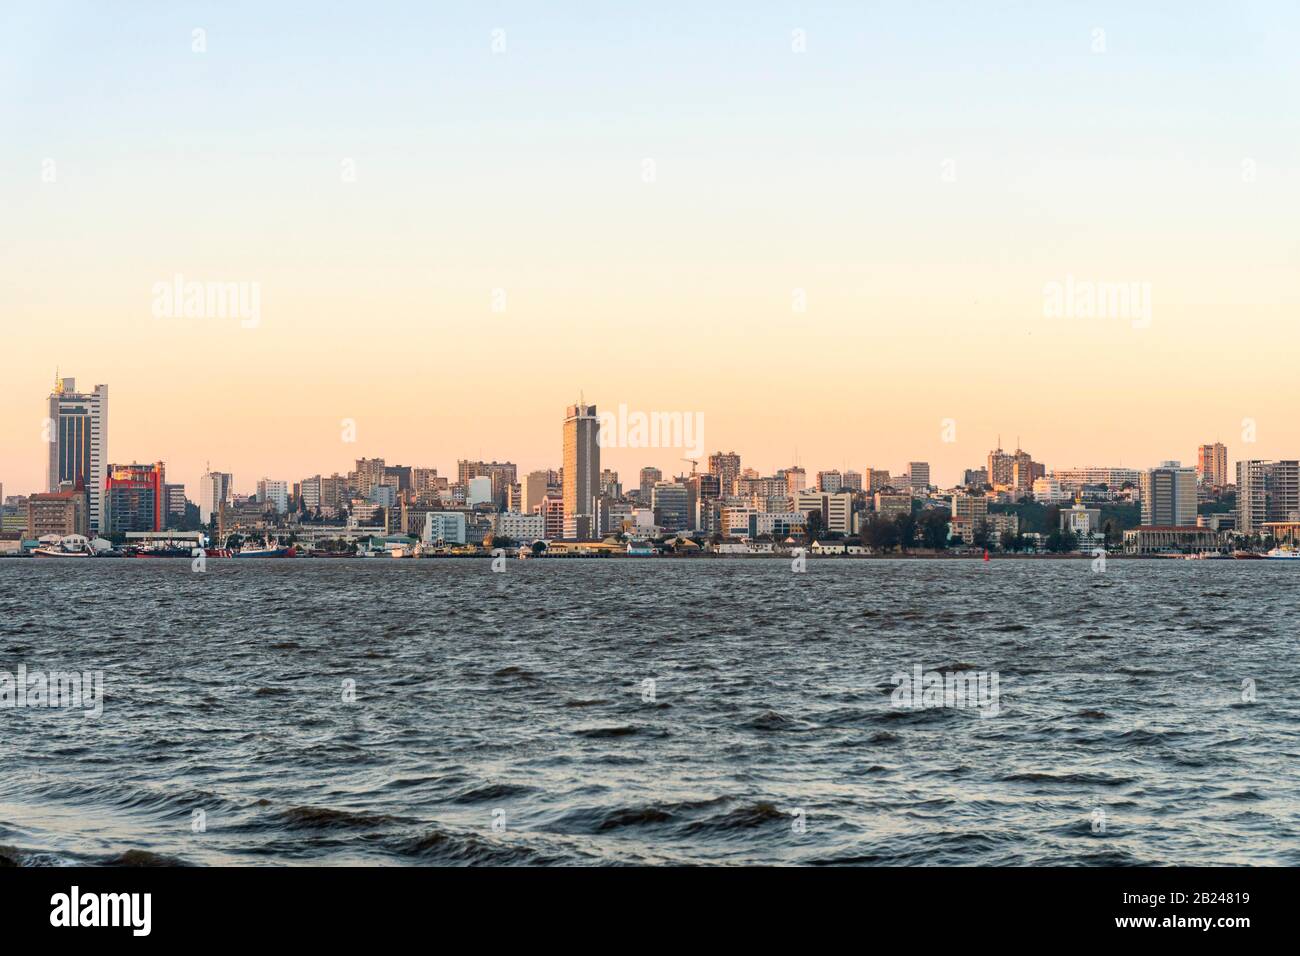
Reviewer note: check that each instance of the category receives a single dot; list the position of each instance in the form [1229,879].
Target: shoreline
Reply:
[777,556]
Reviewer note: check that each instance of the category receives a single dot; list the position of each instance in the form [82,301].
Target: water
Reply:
[517,699]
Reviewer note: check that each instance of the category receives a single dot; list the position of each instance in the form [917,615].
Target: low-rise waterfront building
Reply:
[1149,539]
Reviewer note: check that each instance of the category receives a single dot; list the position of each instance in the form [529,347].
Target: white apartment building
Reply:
[836,509]
[274,493]
[521,527]
[445,527]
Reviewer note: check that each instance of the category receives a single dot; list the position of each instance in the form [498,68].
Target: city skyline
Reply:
[1211,456]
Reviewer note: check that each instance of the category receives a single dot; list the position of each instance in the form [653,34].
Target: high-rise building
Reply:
[551,508]
[975,477]
[370,472]
[835,508]
[972,508]
[1169,496]
[535,486]
[503,474]
[918,475]
[610,486]
[1212,465]
[174,499]
[426,484]
[478,490]
[59,512]
[970,513]
[646,482]
[796,479]
[77,431]
[702,489]
[133,498]
[581,460]
[1001,467]
[403,475]
[876,479]
[275,494]
[1266,491]
[852,481]
[1286,491]
[829,481]
[215,488]
[1025,471]
[670,502]
[727,467]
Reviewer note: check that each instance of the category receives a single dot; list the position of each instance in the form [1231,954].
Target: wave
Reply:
[492,791]
[329,818]
[1089,779]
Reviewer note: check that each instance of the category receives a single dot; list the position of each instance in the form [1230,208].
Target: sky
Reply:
[835,232]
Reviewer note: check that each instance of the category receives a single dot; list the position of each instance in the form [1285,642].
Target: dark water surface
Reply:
[1122,735]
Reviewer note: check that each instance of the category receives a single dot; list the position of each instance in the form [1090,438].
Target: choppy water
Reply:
[1121,738]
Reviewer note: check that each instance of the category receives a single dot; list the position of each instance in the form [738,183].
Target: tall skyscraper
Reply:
[1212,465]
[77,430]
[215,487]
[581,460]
[1169,496]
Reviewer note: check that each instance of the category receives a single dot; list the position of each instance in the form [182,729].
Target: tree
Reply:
[539,547]
[982,535]
[906,524]
[813,527]
[934,529]
[880,535]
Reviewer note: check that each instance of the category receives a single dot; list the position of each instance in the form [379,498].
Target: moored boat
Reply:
[276,551]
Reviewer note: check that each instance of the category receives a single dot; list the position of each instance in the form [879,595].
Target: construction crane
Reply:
[695,464]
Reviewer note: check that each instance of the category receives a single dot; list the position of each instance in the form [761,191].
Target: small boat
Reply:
[1246,556]
[1207,556]
[164,552]
[1284,554]
[55,552]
